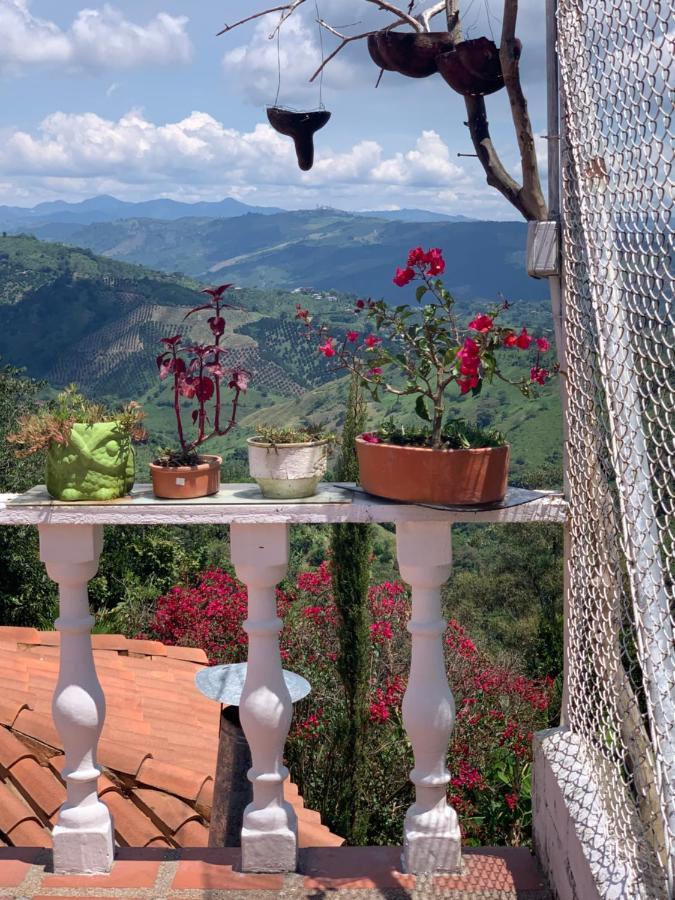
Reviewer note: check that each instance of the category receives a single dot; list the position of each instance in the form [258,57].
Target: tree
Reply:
[351,550]
[527,197]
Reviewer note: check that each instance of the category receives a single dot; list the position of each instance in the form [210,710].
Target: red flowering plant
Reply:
[429,349]
[198,375]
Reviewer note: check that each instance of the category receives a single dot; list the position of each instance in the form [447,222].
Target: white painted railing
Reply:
[70,546]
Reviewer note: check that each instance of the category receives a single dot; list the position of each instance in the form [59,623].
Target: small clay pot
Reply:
[472,67]
[301,126]
[410,53]
[187,482]
[440,477]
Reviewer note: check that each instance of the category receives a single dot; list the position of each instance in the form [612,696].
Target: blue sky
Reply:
[141,99]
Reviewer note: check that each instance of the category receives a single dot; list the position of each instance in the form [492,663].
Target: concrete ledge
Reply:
[575,840]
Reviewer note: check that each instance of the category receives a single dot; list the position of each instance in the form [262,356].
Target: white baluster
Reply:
[269,838]
[432,841]
[83,834]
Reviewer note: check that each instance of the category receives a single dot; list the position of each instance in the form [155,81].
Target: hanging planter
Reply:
[473,68]
[301,126]
[410,53]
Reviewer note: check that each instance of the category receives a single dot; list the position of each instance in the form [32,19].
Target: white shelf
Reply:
[243,503]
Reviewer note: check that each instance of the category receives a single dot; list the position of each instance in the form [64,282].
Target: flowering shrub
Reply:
[426,346]
[498,709]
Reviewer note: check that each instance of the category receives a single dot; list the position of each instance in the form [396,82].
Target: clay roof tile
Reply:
[188,654]
[121,758]
[11,706]
[30,833]
[39,785]
[132,827]
[167,811]
[13,810]
[11,749]
[192,834]
[146,648]
[38,725]
[172,779]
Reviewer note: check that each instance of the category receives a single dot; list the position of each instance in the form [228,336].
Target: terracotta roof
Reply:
[158,774]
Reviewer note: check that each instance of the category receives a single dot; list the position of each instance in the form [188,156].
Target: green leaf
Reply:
[479,387]
[421,409]
[421,291]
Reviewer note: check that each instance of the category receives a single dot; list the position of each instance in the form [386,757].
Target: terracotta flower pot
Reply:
[287,471]
[373,48]
[443,477]
[187,482]
[301,126]
[409,53]
[472,67]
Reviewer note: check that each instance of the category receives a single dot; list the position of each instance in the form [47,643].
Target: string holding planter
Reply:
[473,68]
[301,126]
[409,53]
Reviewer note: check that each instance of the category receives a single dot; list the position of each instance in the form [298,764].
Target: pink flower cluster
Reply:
[429,263]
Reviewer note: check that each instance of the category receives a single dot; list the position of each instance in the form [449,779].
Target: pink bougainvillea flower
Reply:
[328,348]
[360,304]
[240,379]
[370,438]
[404,276]
[511,801]
[372,341]
[510,340]
[417,257]
[302,313]
[376,370]
[352,336]
[543,344]
[468,384]
[538,375]
[482,324]
[172,341]
[434,259]
[524,340]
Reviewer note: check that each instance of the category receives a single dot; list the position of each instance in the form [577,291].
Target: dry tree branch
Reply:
[344,38]
[428,14]
[258,15]
[509,54]
[403,16]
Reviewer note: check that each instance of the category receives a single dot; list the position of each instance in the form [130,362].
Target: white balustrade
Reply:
[83,834]
[269,838]
[70,543]
[432,840]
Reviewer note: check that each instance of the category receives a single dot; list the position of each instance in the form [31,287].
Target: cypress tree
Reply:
[351,546]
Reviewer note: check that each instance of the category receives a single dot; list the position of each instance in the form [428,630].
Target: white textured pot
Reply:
[287,471]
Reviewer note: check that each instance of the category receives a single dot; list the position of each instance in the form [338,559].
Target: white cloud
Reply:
[77,155]
[97,39]
[300,54]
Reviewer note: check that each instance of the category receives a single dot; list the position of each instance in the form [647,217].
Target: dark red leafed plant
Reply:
[199,375]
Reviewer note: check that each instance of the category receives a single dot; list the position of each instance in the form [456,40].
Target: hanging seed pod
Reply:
[473,67]
[301,126]
[409,53]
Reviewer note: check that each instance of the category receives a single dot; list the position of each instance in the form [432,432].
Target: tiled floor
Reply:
[345,873]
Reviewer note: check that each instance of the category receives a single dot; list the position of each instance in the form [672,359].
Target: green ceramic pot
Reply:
[97,463]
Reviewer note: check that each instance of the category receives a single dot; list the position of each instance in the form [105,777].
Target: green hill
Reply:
[324,249]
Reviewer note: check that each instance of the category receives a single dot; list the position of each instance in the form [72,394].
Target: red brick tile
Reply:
[86,896]
[12,872]
[214,870]
[137,873]
[495,869]
[354,868]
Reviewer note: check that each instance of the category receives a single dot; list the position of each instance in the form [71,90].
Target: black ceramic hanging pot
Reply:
[411,53]
[473,67]
[301,126]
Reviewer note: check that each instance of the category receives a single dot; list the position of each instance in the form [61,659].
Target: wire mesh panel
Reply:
[618,79]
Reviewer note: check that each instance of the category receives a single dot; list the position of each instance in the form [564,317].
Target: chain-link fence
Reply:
[618,79]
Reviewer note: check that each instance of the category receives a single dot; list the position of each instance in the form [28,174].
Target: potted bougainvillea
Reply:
[422,351]
[198,377]
[288,463]
[90,453]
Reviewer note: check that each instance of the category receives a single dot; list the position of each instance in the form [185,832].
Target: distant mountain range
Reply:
[324,249]
[110,209]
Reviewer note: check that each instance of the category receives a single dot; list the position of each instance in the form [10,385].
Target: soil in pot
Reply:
[409,53]
[472,67]
[287,471]
[97,463]
[301,126]
[186,482]
[442,477]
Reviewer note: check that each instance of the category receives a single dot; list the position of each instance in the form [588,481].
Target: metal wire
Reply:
[618,76]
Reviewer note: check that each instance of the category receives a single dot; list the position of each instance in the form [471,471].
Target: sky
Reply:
[142,100]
